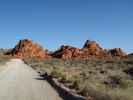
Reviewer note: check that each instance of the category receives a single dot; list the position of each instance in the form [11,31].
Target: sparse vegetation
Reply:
[3,57]
[102,79]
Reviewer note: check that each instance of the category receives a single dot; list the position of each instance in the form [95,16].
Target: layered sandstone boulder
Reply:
[27,48]
[66,52]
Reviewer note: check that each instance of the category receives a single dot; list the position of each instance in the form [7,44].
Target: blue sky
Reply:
[56,22]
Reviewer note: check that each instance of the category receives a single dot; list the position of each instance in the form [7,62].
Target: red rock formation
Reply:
[26,48]
[116,52]
[90,49]
[91,45]
[66,52]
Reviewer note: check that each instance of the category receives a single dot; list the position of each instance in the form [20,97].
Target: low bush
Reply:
[102,79]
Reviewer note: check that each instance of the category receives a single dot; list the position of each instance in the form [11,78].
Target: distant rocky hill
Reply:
[90,49]
[27,48]
[116,52]
[129,55]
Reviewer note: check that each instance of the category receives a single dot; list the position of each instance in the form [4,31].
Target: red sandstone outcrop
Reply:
[26,48]
[66,52]
[90,49]
[116,52]
[91,45]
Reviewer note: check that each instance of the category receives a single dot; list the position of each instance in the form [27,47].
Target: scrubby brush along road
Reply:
[20,82]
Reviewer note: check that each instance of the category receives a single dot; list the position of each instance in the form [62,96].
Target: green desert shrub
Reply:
[58,73]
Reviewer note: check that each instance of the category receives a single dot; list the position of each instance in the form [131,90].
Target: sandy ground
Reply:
[20,82]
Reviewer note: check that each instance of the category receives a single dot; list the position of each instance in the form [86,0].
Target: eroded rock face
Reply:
[26,48]
[116,52]
[90,49]
[66,52]
[91,45]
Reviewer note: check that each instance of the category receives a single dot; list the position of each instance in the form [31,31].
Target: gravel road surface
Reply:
[20,82]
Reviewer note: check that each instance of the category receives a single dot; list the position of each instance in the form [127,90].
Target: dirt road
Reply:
[20,82]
